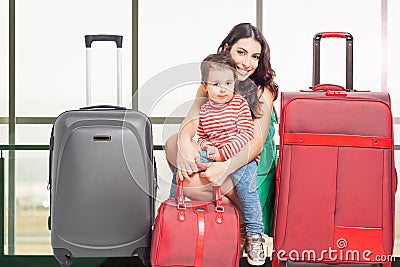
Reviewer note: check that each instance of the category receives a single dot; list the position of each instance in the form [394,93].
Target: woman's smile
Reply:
[242,71]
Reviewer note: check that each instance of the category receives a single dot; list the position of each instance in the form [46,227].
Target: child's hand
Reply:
[212,152]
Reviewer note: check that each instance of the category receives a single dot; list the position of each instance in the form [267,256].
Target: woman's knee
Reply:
[198,194]
[196,189]
[228,187]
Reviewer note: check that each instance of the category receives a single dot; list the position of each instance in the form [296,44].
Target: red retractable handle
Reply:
[349,56]
[333,35]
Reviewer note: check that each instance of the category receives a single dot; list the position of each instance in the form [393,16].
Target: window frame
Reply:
[12,121]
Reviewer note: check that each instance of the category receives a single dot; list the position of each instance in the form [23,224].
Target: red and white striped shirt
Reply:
[227,126]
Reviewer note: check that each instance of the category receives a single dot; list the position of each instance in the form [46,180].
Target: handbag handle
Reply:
[219,209]
[181,205]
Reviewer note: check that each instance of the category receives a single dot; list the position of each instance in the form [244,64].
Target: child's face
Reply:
[220,85]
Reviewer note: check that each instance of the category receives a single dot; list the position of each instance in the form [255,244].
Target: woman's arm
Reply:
[186,154]
[251,150]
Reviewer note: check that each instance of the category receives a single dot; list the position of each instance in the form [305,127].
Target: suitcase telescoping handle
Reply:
[89,39]
[349,56]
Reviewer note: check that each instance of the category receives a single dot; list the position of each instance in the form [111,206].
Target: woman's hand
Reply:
[187,157]
[216,172]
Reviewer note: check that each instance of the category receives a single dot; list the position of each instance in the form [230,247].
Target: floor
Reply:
[135,262]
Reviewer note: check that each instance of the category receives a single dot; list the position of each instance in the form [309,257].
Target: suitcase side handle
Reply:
[328,87]
[317,60]
[88,42]
[89,39]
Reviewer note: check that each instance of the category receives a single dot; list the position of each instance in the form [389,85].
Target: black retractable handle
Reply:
[317,59]
[89,39]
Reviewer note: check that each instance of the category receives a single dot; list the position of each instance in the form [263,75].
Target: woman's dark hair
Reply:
[263,76]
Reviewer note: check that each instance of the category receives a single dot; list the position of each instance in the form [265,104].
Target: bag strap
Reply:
[180,201]
[181,205]
[219,209]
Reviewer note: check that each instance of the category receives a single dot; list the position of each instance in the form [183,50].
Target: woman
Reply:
[250,52]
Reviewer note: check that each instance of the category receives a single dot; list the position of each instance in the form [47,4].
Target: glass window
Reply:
[50,78]
[174,32]
[396,133]
[290,33]
[396,251]
[5,155]
[161,132]
[50,70]
[164,177]
[3,133]
[31,203]
[31,236]
[181,95]
[393,66]
[4,55]
[393,54]
[32,134]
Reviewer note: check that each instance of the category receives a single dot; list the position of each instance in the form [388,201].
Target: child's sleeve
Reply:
[203,139]
[245,133]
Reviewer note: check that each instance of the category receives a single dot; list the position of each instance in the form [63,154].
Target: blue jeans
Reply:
[245,180]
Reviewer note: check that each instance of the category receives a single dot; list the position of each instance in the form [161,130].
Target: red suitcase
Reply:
[195,233]
[336,180]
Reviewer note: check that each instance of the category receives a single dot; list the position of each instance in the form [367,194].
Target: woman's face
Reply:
[246,53]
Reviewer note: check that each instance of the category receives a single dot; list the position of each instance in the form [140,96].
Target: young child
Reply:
[226,125]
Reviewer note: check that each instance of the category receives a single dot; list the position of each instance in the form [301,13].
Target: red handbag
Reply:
[196,233]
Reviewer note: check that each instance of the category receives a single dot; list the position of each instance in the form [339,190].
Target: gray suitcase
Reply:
[102,179]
